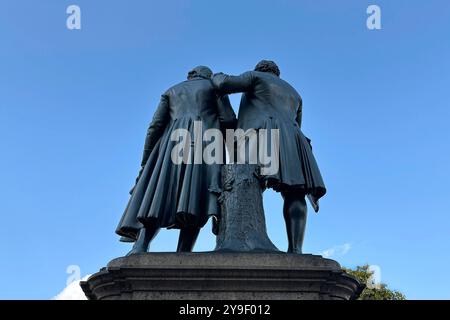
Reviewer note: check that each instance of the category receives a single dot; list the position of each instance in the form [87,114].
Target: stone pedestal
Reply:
[222,276]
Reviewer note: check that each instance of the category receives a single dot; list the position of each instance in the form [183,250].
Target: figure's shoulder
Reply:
[289,87]
[189,85]
[177,87]
[258,74]
[249,75]
[170,91]
[269,78]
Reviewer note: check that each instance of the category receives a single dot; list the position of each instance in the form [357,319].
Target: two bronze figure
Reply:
[185,195]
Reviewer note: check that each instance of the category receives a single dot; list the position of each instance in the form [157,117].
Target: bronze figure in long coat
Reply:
[177,195]
[268,102]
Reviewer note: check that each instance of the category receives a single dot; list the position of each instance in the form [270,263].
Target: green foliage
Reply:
[379,292]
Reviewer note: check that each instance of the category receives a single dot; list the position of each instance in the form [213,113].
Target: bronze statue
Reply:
[269,102]
[245,263]
[169,195]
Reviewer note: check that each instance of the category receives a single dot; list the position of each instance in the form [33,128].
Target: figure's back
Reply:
[269,97]
[192,98]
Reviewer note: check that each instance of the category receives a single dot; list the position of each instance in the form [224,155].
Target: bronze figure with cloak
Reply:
[268,102]
[171,195]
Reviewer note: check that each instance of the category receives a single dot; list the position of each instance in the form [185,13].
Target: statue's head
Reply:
[200,72]
[268,66]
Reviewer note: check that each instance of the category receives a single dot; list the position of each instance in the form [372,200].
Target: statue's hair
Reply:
[268,66]
[200,71]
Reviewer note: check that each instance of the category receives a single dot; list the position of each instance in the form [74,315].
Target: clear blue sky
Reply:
[75,105]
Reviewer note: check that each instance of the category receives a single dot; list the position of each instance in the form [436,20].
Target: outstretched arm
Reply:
[156,127]
[226,84]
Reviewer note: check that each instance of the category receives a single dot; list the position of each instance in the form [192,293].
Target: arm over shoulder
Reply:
[227,84]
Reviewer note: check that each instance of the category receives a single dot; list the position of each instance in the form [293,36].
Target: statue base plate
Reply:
[221,276]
